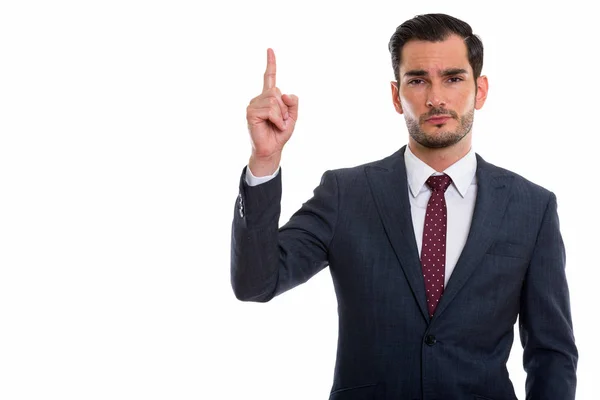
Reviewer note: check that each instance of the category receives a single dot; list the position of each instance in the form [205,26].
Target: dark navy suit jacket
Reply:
[359,223]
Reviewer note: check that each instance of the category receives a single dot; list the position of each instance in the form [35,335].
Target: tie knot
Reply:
[439,182]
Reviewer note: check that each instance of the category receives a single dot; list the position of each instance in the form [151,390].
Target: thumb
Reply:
[291,101]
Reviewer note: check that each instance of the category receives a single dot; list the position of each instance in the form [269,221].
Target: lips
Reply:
[438,119]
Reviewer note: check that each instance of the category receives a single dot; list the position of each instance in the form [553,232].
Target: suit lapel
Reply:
[493,189]
[388,184]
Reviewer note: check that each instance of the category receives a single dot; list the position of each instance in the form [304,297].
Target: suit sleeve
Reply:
[546,330]
[267,260]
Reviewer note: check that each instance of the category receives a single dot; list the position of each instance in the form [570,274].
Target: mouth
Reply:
[438,119]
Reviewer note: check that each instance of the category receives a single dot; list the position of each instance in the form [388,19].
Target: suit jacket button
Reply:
[430,340]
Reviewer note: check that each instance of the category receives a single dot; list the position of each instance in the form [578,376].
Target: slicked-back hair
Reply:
[436,28]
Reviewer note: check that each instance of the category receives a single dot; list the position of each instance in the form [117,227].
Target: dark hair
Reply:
[436,28]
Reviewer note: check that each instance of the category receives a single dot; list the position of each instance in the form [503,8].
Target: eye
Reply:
[415,82]
[455,79]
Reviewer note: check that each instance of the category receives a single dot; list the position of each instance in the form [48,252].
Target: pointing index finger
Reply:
[270,71]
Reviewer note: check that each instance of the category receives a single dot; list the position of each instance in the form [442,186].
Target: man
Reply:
[433,251]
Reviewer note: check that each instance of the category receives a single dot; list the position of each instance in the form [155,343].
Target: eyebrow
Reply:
[446,72]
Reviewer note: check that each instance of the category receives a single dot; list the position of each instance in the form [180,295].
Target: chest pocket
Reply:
[507,249]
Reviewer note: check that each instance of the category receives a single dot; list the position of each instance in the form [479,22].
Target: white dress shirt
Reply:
[460,200]
[252,180]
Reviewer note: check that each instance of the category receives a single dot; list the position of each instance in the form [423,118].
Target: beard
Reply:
[444,138]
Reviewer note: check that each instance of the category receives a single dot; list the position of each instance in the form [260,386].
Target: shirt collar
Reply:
[461,172]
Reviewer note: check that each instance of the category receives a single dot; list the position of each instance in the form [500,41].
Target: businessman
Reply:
[434,252]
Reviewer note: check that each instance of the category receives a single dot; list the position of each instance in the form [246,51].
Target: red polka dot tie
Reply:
[433,249]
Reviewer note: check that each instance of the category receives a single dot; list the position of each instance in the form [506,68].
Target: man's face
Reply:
[437,92]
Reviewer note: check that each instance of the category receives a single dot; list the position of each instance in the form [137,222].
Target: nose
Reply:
[434,97]
[435,103]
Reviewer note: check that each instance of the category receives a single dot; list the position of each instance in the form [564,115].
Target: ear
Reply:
[396,96]
[482,91]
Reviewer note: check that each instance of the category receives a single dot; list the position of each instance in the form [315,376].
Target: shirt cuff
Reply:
[252,180]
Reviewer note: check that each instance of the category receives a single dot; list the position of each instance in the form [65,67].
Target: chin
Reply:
[445,125]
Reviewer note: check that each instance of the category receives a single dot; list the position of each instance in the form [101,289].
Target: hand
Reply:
[271,120]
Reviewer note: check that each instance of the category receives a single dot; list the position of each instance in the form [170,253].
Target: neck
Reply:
[441,158]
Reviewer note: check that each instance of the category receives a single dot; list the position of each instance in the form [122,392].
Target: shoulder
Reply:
[522,188]
[390,162]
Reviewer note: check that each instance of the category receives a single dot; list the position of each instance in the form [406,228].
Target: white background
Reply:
[122,139]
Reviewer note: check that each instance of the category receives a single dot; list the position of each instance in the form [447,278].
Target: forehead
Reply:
[424,55]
